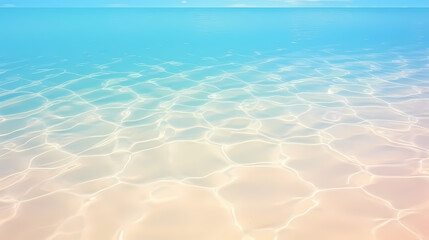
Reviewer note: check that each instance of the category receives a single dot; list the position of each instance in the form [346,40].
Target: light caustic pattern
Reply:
[265,146]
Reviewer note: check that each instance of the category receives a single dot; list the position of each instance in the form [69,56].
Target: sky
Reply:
[214,3]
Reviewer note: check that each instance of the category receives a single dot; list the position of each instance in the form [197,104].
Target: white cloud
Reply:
[7,5]
[241,6]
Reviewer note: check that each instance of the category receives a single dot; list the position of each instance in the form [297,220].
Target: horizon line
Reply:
[222,7]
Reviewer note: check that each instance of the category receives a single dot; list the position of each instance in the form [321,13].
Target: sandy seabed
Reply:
[253,147]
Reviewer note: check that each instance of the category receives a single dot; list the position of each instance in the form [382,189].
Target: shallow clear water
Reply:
[214,124]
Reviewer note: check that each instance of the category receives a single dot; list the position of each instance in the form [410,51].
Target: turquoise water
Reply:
[214,123]
[176,33]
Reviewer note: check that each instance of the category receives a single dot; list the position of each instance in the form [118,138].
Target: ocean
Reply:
[214,123]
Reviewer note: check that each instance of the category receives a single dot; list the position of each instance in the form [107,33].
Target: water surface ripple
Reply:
[279,144]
